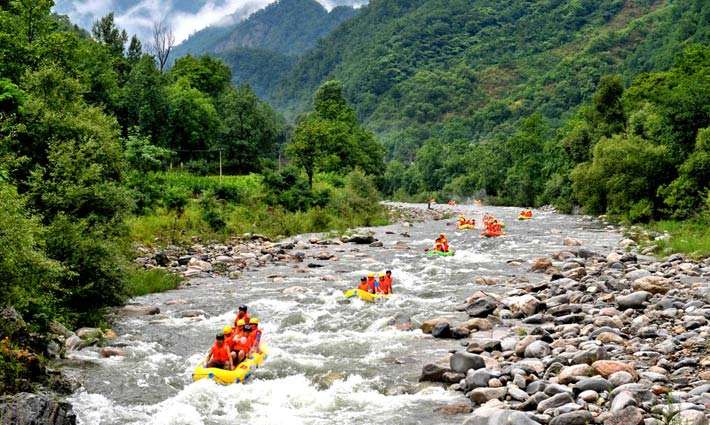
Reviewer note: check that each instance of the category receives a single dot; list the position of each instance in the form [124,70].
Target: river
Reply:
[331,361]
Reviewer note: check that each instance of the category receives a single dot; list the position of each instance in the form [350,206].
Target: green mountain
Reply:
[260,49]
[471,70]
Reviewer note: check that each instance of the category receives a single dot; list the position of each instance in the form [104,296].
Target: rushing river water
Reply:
[331,361]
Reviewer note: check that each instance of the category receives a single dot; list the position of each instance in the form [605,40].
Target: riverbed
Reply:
[331,360]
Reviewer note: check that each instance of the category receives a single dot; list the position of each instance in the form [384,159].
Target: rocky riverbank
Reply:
[614,338]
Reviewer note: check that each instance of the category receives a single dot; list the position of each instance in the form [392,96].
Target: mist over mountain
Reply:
[186,16]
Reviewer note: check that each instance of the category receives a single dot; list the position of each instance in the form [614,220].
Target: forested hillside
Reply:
[91,135]
[262,48]
[451,85]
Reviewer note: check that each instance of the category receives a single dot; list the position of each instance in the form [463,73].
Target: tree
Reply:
[193,122]
[34,17]
[163,42]
[135,50]
[107,33]
[331,139]
[207,74]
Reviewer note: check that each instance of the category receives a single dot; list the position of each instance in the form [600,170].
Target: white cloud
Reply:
[139,16]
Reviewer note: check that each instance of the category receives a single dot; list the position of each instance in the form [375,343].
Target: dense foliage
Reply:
[88,128]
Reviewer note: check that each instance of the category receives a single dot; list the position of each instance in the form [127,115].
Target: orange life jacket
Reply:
[370,284]
[241,344]
[245,317]
[362,286]
[386,285]
[220,354]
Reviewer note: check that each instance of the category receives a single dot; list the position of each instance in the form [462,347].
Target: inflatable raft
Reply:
[363,295]
[240,374]
[466,226]
[524,217]
[492,235]
[435,253]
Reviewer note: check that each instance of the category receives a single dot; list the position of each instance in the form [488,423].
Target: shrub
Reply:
[142,282]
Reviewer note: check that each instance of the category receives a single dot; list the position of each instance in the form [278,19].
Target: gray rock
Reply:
[596,383]
[580,417]
[35,409]
[495,416]
[590,396]
[462,361]
[620,378]
[362,239]
[481,307]
[692,417]
[590,355]
[629,415]
[432,373]
[556,400]
[538,349]
[482,395]
[139,310]
[622,400]
[479,378]
[184,260]
[441,330]
[634,300]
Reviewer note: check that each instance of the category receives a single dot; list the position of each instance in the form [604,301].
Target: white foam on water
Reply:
[469,256]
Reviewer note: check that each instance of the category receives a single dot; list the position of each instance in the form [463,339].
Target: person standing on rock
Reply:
[219,355]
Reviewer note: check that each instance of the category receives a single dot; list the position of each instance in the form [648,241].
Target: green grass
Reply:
[691,237]
[143,282]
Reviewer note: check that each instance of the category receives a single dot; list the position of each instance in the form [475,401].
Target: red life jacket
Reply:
[386,285]
[220,354]
[362,286]
[237,319]
[371,284]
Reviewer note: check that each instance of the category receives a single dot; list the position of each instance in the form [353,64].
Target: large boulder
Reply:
[481,307]
[462,361]
[541,264]
[433,373]
[362,239]
[428,325]
[35,409]
[139,310]
[525,305]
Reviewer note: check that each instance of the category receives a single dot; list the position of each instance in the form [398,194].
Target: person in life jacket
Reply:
[441,243]
[255,336]
[388,275]
[219,355]
[240,345]
[239,329]
[363,284]
[385,284]
[241,315]
[371,283]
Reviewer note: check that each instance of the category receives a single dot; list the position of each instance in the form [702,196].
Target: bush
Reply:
[142,282]
[212,212]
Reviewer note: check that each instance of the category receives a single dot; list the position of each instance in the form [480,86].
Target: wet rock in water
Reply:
[478,324]
[428,325]
[161,259]
[454,409]
[525,305]
[138,310]
[477,378]
[541,264]
[362,239]
[432,373]
[324,255]
[441,330]
[376,244]
[571,242]
[35,409]
[460,332]
[191,313]
[452,377]
[486,415]
[481,307]
[184,260]
[580,417]
[462,361]
[652,284]
[482,395]
[89,333]
[106,352]
[635,300]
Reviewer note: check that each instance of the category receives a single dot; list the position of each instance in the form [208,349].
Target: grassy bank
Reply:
[217,208]
[142,282]
[691,237]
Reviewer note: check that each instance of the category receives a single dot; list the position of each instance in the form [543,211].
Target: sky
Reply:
[185,16]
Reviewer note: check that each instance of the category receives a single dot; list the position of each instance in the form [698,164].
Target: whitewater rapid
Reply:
[331,361]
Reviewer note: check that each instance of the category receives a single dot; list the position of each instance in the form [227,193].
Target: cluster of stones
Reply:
[615,339]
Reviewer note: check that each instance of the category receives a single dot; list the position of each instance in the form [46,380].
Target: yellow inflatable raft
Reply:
[466,226]
[364,295]
[240,374]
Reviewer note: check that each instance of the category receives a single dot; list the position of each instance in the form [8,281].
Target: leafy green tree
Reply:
[250,132]
[331,139]
[144,102]
[107,33]
[143,156]
[135,50]
[207,74]
[193,122]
